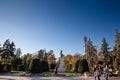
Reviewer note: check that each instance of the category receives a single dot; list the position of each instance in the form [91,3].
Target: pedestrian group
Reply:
[100,70]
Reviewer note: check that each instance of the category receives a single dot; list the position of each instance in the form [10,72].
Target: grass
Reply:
[69,71]
[12,72]
[50,73]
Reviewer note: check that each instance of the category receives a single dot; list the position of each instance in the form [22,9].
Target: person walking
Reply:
[106,71]
[96,73]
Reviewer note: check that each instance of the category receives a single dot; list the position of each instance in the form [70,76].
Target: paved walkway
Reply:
[52,78]
[43,78]
[12,77]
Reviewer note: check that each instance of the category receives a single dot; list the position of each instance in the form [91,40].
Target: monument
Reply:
[59,68]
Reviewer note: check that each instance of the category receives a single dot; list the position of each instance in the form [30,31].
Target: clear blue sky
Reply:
[58,24]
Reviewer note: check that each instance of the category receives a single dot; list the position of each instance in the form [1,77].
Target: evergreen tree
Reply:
[116,51]
[18,52]
[36,66]
[8,49]
[104,47]
[90,51]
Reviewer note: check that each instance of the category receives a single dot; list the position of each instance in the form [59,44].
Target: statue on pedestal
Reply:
[59,67]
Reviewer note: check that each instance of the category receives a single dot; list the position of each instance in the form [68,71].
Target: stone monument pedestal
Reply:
[60,69]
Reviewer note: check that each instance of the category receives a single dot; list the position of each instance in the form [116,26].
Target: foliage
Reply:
[8,49]
[35,66]
[100,62]
[47,59]
[81,66]
[45,66]
[116,52]
[76,65]
[104,51]
[52,66]
[7,67]
[40,54]
[21,67]
[69,71]
[80,69]
[50,57]
[15,62]
[66,60]
[26,60]
[117,60]
[75,58]
[18,52]
[90,51]
[1,67]
[69,67]
[104,48]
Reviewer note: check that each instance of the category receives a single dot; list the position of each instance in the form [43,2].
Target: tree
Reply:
[26,60]
[8,49]
[15,62]
[18,52]
[41,54]
[117,59]
[66,60]
[90,51]
[116,51]
[75,57]
[50,58]
[6,44]
[104,49]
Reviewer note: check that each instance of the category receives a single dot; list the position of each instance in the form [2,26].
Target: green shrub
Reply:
[85,65]
[76,66]
[69,71]
[69,66]
[52,66]
[15,62]
[6,67]
[45,66]
[35,66]
[21,67]
[81,66]
[1,67]
[80,69]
